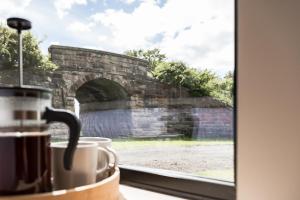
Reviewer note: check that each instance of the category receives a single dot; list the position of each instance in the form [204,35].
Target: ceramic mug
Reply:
[106,144]
[85,165]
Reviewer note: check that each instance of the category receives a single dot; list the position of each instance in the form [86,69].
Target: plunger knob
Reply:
[18,23]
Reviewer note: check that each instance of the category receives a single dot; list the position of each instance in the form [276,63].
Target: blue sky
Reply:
[198,32]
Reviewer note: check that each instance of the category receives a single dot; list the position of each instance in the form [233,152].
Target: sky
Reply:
[197,32]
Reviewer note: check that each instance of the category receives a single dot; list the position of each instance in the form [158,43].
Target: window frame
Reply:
[190,187]
[185,186]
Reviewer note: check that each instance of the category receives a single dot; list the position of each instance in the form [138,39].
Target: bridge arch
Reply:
[100,90]
[94,78]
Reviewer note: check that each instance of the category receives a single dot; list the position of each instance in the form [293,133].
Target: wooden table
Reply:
[108,189]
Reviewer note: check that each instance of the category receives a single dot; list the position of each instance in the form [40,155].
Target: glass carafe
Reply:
[25,154]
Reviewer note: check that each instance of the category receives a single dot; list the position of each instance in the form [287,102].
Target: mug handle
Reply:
[67,117]
[116,157]
[106,153]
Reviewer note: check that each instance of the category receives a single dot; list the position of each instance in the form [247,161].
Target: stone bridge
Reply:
[118,98]
[99,76]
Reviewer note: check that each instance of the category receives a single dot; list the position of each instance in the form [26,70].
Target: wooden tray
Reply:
[107,189]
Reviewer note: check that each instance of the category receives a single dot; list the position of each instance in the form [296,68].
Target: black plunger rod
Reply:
[19,24]
[20,59]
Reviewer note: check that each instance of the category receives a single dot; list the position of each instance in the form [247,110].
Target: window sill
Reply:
[176,185]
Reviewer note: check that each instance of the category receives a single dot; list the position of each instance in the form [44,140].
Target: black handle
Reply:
[58,115]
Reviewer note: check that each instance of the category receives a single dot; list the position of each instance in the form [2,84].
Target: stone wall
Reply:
[213,123]
[202,117]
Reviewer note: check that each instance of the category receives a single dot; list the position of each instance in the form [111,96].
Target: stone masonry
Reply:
[117,87]
[204,119]
[78,66]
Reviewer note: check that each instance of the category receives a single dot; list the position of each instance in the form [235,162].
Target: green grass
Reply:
[140,143]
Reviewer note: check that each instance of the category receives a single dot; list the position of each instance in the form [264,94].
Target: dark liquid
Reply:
[25,164]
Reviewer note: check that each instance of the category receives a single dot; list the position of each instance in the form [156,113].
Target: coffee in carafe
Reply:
[25,157]
[25,167]
[25,154]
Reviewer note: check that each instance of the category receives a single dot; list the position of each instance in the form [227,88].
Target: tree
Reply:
[153,56]
[199,83]
[224,89]
[33,57]
[228,84]
[173,73]
[203,83]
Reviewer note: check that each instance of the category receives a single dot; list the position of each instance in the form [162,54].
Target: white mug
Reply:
[106,144]
[85,165]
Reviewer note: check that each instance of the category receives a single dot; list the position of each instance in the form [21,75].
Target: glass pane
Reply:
[156,76]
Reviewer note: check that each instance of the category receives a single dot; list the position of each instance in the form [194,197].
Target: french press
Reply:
[25,113]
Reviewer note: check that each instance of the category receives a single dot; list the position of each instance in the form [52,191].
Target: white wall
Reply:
[268,100]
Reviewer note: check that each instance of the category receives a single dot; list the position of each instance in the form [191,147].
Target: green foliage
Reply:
[199,83]
[153,56]
[32,55]
[224,91]
[203,83]
[173,73]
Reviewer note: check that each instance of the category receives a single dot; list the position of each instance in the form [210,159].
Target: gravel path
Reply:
[194,159]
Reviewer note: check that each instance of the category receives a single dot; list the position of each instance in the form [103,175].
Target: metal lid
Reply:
[19,23]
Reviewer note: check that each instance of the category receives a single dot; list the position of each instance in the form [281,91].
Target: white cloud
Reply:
[55,43]
[198,32]
[10,8]
[102,38]
[128,1]
[63,6]
[79,28]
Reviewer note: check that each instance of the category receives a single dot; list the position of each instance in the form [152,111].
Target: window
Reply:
[155,76]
